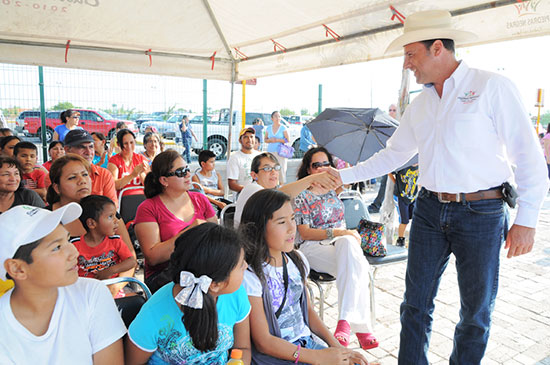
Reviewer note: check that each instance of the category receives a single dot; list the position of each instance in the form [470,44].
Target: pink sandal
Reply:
[342,332]
[367,341]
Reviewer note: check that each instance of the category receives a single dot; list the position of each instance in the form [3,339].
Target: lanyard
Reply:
[285,283]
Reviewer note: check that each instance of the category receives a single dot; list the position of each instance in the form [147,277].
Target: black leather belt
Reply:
[495,193]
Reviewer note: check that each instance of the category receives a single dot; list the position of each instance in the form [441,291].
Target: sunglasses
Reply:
[181,172]
[75,116]
[393,110]
[316,165]
[270,168]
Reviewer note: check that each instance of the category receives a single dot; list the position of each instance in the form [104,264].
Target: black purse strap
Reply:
[285,283]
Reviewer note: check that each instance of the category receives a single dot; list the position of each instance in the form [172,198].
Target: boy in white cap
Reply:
[51,316]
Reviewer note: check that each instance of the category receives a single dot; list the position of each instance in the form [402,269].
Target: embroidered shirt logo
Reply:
[469,97]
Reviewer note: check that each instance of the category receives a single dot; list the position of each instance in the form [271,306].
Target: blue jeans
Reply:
[187,145]
[473,232]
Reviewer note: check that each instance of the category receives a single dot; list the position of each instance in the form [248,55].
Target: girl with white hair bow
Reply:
[203,313]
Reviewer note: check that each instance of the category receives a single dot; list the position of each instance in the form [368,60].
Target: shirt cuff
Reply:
[347,175]
[527,217]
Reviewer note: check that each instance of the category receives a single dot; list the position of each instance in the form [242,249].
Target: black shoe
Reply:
[400,242]
[372,209]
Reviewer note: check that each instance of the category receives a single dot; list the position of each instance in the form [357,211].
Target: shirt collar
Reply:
[456,76]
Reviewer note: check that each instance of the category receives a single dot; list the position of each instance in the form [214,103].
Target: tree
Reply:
[285,112]
[63,105]
[304,111]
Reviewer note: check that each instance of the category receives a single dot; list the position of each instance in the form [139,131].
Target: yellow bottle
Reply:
[236,357]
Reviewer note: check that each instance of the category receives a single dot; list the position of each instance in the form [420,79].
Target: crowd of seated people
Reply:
[215,288]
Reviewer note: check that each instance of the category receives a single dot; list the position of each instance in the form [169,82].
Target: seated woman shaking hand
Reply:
[203,313]
[282,319]
[331,248]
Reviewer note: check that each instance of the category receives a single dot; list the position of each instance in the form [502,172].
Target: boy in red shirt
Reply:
[102,254]
[33,177]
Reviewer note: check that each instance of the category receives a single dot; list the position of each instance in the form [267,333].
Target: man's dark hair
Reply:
[92,207]
[121,125]
[24,146]
[449,44]
[205,155]
[3,131]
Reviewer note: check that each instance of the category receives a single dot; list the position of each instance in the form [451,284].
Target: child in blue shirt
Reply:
[203,312]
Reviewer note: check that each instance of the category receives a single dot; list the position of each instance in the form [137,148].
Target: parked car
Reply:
[147,118]
[298,119]
[90,120]
[20,120]
[218,131]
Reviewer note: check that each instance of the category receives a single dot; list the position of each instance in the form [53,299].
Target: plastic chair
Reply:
[227,215]
[395,255]
[196,187]
[354,208]
[129,306]
[320,279]
[128,204]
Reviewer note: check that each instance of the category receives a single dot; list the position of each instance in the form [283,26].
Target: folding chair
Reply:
[227,215]
[129,306]
[320,279]
[354,208]
[395,255]
[196,187]
[128,204]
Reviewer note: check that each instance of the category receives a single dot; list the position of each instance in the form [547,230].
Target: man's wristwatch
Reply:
[330,234]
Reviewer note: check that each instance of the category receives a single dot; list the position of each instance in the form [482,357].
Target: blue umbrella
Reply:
[352,134]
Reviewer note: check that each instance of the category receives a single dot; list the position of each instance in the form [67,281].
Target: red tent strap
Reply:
[240,54]
[278,46]
[67,49]
[148,53]
[396,14]
[333,34]
[213,58]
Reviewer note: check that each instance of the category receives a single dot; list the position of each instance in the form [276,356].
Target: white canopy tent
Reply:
[205,38]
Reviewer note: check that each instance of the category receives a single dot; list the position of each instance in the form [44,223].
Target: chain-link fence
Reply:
[105,98]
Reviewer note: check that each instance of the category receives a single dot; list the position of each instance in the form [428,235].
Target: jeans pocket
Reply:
[486,207]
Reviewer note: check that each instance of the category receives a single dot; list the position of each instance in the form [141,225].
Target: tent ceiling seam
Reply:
[115,50]
[218,29]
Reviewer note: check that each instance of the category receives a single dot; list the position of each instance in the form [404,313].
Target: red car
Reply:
[90,120]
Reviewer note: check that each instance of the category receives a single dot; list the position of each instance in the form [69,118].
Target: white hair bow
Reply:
[191,293]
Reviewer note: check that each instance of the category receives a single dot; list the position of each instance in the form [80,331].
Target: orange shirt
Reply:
[103,183]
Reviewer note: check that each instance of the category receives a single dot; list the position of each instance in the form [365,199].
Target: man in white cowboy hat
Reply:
[469,127]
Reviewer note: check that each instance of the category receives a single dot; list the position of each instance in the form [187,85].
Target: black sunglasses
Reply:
[181,172]
[316,165]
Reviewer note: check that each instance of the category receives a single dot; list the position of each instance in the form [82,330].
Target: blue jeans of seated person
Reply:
[473,232]
[310,343]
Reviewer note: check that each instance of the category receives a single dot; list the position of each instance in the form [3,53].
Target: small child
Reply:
[203,312]
[406,191]
[52,316]
[34,177]
[282,320]
[210,180]
[102,254]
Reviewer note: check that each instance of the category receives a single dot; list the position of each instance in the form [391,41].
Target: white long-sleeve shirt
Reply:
[467,141]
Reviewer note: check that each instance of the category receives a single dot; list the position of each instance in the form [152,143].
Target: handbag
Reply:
[371,237]
[285,151]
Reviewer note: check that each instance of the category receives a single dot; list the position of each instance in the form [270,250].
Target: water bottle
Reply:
[236,357]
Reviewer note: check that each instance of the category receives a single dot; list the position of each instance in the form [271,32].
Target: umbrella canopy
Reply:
[352,134]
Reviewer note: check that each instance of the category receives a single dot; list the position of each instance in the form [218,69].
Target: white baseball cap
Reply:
[24,224]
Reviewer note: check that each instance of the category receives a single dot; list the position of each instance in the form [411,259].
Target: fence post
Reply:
[42,114]
[320,100]
[204,115]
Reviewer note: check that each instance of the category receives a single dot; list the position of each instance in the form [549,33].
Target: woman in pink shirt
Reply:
[168,210]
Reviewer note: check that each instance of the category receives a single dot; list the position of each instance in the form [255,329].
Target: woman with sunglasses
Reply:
[170,209]
[265,170]
[69,121]
[333,249]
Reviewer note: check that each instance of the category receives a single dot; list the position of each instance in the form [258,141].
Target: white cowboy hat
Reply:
[431,24]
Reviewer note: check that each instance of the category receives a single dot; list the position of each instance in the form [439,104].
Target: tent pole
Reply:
[230,112]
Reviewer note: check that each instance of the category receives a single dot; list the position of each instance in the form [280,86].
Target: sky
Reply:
[367,84]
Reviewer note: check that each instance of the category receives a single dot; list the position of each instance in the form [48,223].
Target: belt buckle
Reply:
[441,200]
